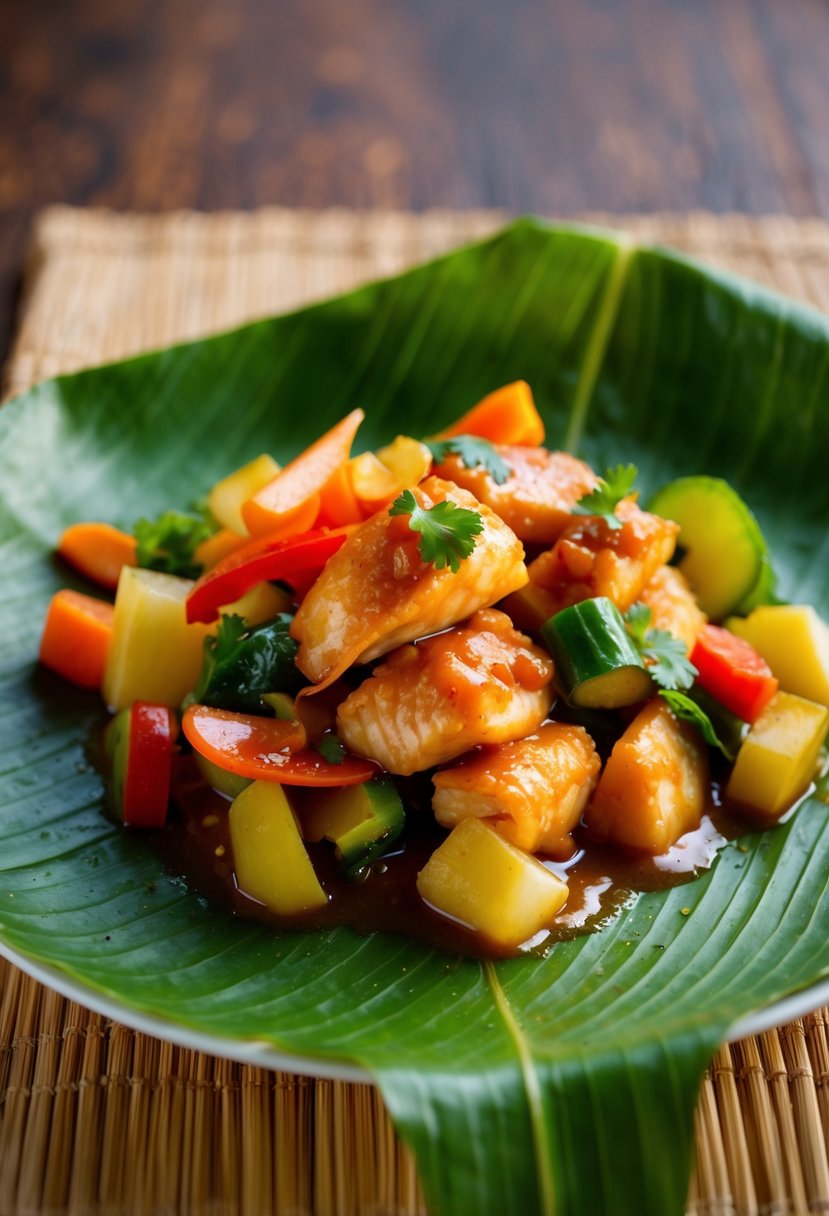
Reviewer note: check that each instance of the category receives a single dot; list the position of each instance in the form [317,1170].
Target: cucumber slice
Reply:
[597,664]
[361,821]
[117,746]
[725,554]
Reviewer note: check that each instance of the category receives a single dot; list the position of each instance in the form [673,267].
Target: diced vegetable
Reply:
[290,502]
[230,785]
[155,655]
[210,552]
[261,603]
[241,663]
[99,551]
[378,478]
[794,641]
[733,672]
[597,664]
[361,821]
[140,746]
[261,559]
[267,749]
[77,637]
[654,785]
[480,879]
[270,861]
[508,415]
[779,756]
[226,498]
[338,502]
[724,549]
[532,791]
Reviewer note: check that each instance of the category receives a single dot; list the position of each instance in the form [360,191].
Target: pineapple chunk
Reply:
[155,655]
[262,603]
[226,498]
[269,858]
[653,787]
[486,883]
[779,755]
[794,641]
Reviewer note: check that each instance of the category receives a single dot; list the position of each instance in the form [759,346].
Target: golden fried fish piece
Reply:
[537,498]
[673,605]
[376,592]
[532,791]
[482,682]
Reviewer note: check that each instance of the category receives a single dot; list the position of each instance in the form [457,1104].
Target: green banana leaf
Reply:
[565,1084]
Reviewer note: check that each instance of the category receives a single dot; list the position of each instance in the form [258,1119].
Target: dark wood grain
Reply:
[553,106]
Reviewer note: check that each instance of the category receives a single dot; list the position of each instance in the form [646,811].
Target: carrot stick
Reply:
[286,502]
[99,551]
[76,637]
[508,415]
[338,502]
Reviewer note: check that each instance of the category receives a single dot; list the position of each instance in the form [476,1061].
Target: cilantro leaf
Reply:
[331,748]
[665,656]
[169,542]
[447,532]
[689,711]
[616,484]
[473,453]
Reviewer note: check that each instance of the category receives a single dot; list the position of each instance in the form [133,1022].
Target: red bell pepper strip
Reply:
[263,559]
[732,671]
[265,749]
[149,763]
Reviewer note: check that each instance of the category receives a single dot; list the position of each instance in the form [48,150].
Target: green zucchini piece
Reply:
[597,663]
[228,784]
[725,556]
[361,821]
[117,747]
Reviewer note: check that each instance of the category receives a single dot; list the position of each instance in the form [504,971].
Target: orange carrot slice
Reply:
[99,551]
[338,502]
[287,501]
[76,637]
[508,415]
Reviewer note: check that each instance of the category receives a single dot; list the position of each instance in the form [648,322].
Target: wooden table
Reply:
[556,107]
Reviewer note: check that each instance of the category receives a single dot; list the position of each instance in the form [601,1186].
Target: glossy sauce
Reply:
[196,846]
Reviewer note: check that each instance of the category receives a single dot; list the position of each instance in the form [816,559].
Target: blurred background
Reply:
[550,106]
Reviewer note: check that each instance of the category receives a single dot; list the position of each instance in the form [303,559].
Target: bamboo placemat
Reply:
[97,1120]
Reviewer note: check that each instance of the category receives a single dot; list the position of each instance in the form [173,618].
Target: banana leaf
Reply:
[562,1084]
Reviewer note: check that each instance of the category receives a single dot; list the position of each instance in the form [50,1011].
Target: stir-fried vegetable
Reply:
[599,743]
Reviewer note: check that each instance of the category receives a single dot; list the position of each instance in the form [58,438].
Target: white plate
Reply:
[253,1051]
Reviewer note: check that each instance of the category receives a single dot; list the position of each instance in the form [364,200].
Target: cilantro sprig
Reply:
[473,452]
[666,657]
[447,532]
[616,484]
[687,709]
[169,542]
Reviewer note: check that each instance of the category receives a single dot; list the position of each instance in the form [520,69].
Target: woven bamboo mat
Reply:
[97,1120]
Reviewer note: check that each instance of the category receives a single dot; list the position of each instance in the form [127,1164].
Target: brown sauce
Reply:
[196,846]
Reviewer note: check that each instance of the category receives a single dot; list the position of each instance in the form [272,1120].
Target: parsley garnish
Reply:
[169,543]
[331,748]
[473,453]
[447,532]
[666,656]
[612,488]
[687,709]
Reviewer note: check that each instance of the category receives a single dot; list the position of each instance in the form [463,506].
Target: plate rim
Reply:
[262,1054]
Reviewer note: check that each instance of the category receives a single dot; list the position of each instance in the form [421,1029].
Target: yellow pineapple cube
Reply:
[794,641]
[226,498]
[486,883]
[155,655]
[779,755]
[262,603]
[270,860]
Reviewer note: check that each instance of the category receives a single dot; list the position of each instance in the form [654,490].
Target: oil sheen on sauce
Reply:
[196,846]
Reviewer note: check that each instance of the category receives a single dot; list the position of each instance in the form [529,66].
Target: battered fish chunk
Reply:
[532,792]
[376,592]
[537,498]
[482,682]
[592,559]
[673,605]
